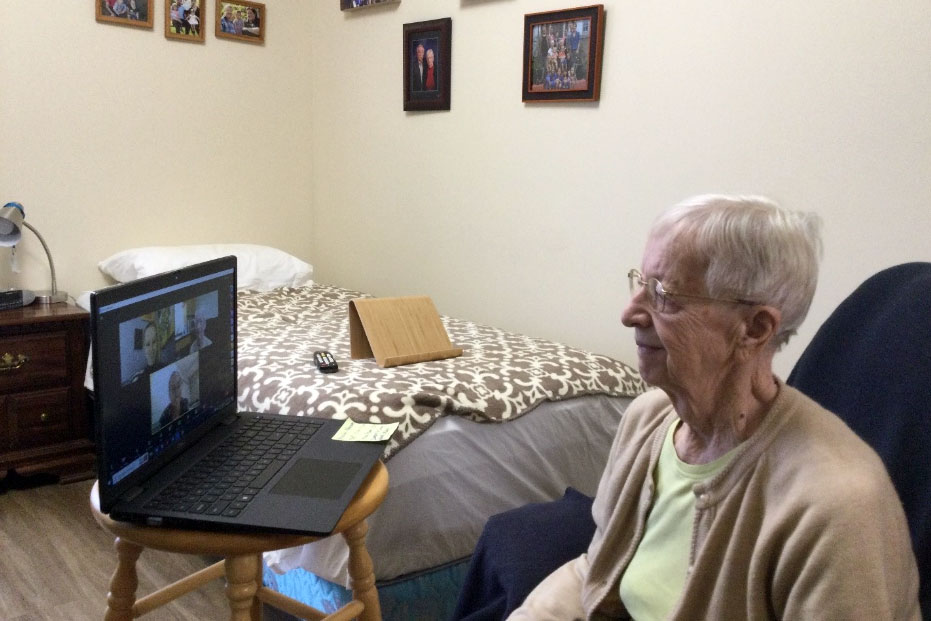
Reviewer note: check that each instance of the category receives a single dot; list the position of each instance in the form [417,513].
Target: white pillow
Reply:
[261,268]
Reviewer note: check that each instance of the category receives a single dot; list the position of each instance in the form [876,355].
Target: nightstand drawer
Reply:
[32,361]
[38,418]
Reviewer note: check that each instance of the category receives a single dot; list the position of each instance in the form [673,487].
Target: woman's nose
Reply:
[635,314]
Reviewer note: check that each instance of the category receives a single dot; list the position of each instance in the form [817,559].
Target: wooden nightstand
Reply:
[44,420]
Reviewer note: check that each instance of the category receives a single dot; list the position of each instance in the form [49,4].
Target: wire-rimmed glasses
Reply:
[657,294]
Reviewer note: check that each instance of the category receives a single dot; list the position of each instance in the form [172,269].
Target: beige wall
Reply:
[113,137]
[529,216]
[523,216]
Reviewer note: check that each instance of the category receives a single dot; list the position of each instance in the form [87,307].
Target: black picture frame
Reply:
[563,54]
[421,91]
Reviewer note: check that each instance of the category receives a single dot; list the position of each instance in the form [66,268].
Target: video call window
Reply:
[174,391]
[162,349]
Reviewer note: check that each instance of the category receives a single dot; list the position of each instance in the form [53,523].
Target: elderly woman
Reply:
[728,494]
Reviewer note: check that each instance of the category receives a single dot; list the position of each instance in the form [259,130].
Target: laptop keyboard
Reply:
[226,480]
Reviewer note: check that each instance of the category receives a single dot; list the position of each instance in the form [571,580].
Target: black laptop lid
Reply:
[164,368]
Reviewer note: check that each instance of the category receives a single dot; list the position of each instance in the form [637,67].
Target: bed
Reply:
[512,420]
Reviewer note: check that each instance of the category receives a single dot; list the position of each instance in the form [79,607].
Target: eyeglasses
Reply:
[657,294]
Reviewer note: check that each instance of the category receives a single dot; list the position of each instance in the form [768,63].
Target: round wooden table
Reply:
[242,564]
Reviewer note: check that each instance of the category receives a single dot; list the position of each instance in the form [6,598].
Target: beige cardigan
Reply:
[804,523]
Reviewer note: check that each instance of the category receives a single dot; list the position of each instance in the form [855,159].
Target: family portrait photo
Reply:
[244,21]
[562,55]
[348,5]
[183,20]
[125,12]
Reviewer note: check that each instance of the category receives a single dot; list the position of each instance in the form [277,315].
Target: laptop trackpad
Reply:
[316,478]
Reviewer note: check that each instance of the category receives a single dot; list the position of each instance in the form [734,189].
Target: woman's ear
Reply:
[760,326]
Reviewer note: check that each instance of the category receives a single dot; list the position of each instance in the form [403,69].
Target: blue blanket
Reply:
[518,548]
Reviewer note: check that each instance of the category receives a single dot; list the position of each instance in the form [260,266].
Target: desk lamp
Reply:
[12,220]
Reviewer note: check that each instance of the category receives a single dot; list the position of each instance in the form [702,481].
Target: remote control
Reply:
[325,362]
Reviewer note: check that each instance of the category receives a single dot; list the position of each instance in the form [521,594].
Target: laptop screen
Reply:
[164,367]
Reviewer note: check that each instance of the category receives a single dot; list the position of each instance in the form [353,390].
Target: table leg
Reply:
[241,586]
[123,584]
[362,572]
[256,603]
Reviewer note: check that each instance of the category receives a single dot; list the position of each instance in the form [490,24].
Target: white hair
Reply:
[752,249]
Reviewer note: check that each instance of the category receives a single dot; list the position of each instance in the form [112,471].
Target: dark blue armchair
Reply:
[518,549]
[870,363]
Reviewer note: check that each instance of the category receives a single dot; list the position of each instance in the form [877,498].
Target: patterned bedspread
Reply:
[500,375]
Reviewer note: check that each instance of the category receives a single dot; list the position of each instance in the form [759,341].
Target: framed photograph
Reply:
[184,20]
[562,54]
[427,66]
[350,5]
[242,20]
[136,13]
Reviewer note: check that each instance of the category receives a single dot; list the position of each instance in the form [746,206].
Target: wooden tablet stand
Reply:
[398,331]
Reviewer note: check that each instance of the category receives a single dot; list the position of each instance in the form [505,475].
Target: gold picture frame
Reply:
[184,20]
[352,5]
[136,13]
[241,21]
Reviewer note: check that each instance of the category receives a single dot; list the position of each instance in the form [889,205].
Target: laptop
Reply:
[163,352]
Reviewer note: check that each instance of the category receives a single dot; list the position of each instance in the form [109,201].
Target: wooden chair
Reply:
[242,564]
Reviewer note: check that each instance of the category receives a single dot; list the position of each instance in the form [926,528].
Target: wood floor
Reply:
[56,562]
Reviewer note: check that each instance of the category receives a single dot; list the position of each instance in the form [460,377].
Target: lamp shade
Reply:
[12,221]
[11,224]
